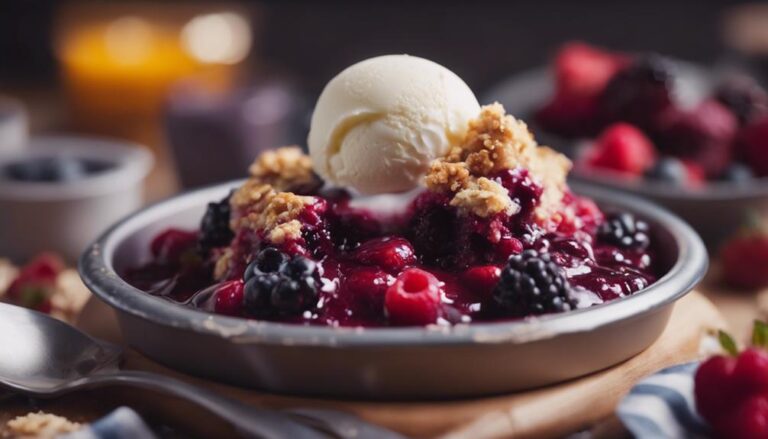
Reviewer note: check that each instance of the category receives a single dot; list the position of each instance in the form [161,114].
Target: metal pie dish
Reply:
[716,210]
[387,363]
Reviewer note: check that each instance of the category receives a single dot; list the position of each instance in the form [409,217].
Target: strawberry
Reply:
[36,282]
[581,73]
[624,148]
[731,391]
[744,258]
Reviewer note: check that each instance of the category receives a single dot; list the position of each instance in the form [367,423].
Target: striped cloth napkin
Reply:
[662,406]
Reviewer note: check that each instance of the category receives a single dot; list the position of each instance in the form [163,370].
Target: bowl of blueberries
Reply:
[58,193]
[690,139]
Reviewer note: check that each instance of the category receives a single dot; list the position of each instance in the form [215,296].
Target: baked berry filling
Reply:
[430,265]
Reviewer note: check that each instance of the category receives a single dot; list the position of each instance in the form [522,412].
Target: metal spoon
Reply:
[44,357]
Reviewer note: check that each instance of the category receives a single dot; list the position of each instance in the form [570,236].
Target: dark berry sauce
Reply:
[425,264]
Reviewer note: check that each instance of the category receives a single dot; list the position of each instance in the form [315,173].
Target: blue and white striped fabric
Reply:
[662,406]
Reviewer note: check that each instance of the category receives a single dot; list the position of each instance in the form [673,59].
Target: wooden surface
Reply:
[547,412]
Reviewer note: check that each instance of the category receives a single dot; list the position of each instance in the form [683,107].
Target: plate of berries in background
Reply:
[692,139]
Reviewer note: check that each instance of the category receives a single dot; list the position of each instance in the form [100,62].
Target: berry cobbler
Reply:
[415,206]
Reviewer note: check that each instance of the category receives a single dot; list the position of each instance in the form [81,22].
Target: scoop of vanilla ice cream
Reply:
[379,123]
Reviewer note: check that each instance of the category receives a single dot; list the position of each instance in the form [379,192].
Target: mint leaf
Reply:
[726,341]
[760,334]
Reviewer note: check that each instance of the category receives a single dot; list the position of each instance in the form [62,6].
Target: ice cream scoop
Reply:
[379,123]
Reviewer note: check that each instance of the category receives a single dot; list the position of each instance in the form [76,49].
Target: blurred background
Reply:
[206,85]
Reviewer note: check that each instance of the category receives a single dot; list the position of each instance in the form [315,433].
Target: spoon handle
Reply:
[248,420]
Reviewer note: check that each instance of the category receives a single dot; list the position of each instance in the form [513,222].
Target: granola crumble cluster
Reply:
[39,425]
[496,141]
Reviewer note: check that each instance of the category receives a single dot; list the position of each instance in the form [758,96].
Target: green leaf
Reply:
[760,334]
[726,341]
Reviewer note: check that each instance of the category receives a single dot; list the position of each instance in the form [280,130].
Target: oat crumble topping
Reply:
[285,169]
[40,425]
[494,142]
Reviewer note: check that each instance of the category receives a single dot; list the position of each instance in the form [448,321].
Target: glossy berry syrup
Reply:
[424,263]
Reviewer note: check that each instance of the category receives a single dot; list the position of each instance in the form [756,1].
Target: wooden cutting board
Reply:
[547,412]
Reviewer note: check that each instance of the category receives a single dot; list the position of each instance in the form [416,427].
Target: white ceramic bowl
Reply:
[65,217]
[14,125]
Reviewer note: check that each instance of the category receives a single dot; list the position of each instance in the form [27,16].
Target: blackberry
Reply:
[668,170]
[624,230]
[214,227]
[744,97]
[531,284]
[638,92]
[278,285]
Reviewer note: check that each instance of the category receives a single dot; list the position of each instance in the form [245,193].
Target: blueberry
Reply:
[54,169]
[668,170]
[737,173]
[624,230]
[530,284]
[278,285]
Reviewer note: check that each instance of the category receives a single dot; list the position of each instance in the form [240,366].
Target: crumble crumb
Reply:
[223,264]
[40,425]
[70,297]
[285,231]
[496,141]
[484,198]
[285,169]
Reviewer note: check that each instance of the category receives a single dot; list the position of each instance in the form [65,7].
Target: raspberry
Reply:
[744,259]
[173,246]
[390,253]
[744,97]
[704,135]
[214,227]
[228,298]
[638,92]
[624,148]
[482,279]
[532,284]
[713,389]
[753,145]
[624,230]
[413,299]
[277,285]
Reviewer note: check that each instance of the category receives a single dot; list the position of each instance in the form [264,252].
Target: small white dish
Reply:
[14,125]
[66,216]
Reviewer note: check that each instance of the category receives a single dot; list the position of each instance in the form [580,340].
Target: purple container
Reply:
[215,137]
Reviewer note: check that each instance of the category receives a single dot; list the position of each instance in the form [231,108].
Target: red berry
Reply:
[583,70]
[414,298]
[481,280]
[170,245]
[748,419]
[696,176]
[507,247]
[367,286]
[715,387]
[37,279]
[581,74]
[624,148]
[752,370]
[228,298]
[704,135]
[390,253]
[744,259]
[753,145]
